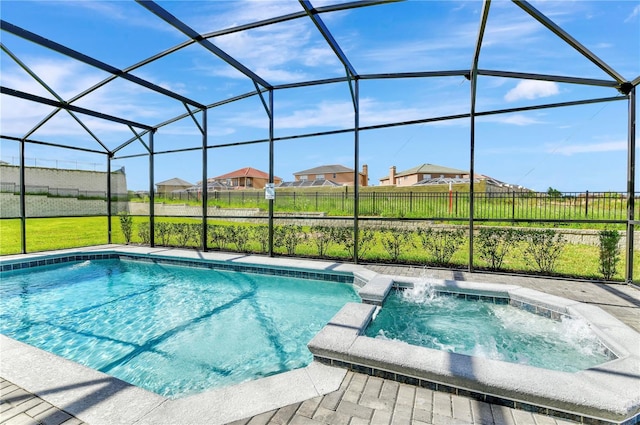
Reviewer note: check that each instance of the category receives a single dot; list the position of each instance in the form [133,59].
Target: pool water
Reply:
[169,329]
[481,328]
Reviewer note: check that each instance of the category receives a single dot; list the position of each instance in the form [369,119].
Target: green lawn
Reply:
[45,234]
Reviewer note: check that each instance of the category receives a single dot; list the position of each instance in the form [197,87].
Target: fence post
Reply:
[316,201]
[411,201]
[586,204]
[456,203]
[513,205]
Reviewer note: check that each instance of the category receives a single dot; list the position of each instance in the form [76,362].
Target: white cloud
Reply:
[634,13]
[590,148]
[69,78]
[512,119]
[530,89]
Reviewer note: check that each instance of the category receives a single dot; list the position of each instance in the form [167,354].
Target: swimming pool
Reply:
[165,327]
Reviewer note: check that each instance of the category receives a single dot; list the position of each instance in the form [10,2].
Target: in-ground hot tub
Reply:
[607,392]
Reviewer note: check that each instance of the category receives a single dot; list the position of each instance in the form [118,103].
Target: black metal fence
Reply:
[490,206]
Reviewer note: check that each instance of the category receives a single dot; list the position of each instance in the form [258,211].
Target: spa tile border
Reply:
[487,398]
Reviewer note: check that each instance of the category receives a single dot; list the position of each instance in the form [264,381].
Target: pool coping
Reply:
[607,393]
[98,398]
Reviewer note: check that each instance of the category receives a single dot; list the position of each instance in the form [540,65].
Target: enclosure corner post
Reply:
[205,186]
[23,206]
[631,171]
[473,77]
[356,171]
[152,227]
[271,174]
[109,156]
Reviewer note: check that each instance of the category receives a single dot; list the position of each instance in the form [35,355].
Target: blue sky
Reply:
[571,149]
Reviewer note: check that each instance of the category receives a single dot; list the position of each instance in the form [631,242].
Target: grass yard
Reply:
[44,234]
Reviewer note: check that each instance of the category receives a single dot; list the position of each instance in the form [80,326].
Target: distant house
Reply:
[244,178]
[172,185]
[419,174]
[339,174]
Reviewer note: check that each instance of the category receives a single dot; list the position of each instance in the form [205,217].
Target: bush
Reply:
[126,225]
[182,232]
[441,244]
[609,253]
[195,231]
[543,247]
[344,236]
[261,235]
[219,235]
[288,237]
[395,241]
[494,244]
[163,232]
[322,237]
[239,235]
[144,233]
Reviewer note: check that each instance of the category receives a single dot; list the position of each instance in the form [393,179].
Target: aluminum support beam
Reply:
[152,196]
[52,92]
[297,15]
[198,38]
[396,124]
[54,145]
[271,172]
[538,16]
[631,182]
[109,199]
[313,14]
[35,38]
[472,139]
[23,206]
[205,188]
[51,102]
[544,77]
[356,173]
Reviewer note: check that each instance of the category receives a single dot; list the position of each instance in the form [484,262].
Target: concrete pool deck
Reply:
[347,398]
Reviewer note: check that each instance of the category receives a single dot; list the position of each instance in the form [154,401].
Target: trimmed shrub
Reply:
[163,232]
[288,237]
[344,236]
[126,225]
[239,235]
[495,243]
[322,237]
[144,233]
[441,244]
[395,241]
[261,235]
[543,248]
[182,232]
[219,235]
[609,252]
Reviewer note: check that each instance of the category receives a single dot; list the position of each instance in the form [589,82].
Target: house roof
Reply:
[428,169]
[326,169]
[246,172]
[309,183]
[174,182]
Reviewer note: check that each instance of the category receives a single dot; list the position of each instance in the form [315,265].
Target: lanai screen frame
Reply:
[265,91]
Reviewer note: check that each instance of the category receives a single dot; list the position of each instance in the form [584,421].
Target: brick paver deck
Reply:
[364,399]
